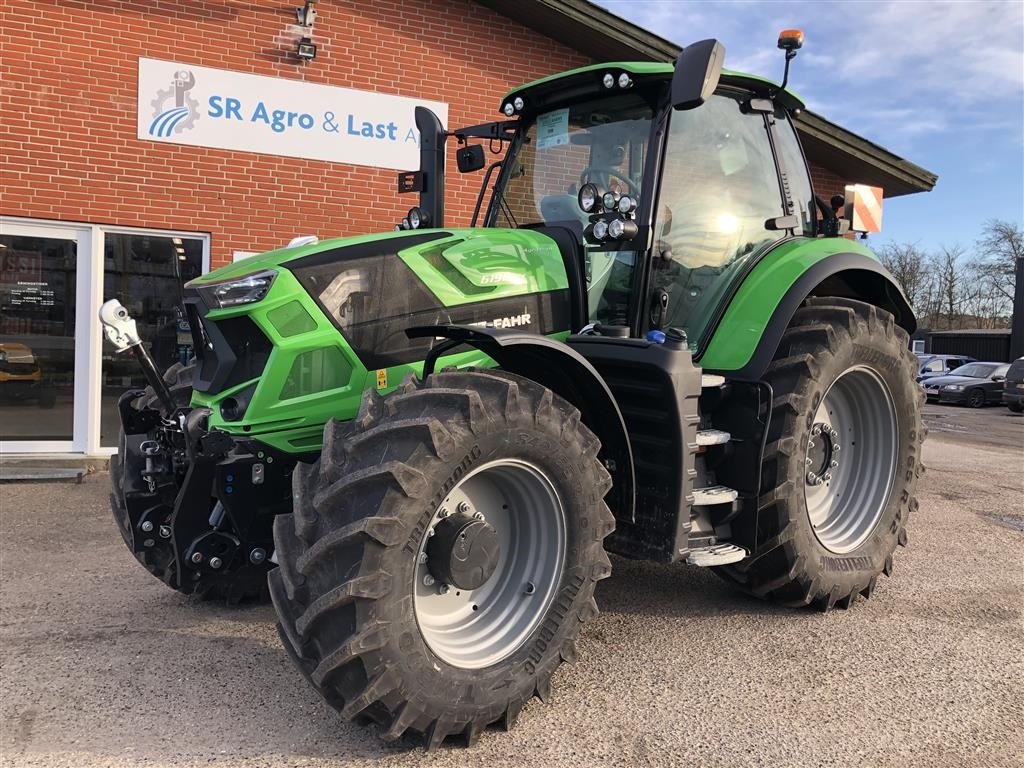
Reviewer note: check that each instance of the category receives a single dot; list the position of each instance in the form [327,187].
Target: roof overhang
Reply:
[602,35]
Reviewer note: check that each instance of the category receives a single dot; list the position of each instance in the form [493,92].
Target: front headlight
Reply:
[953,387]
[241,290]
[587,197]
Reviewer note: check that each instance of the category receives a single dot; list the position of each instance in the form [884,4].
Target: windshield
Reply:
[975,370]
[600,140]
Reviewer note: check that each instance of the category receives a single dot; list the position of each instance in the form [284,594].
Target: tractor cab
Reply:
[667,175]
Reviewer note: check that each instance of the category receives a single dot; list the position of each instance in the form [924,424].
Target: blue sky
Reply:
[939,83]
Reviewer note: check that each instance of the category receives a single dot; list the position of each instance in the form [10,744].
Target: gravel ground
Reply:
[101,665]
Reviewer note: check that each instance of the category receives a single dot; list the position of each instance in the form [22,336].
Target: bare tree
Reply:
[952,290]
[909,265]
[1000,245]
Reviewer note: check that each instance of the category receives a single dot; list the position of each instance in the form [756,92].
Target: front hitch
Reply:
[120,329]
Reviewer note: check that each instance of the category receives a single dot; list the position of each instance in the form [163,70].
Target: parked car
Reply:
[20,376]
[974,384]
[1013,386]
[939,365]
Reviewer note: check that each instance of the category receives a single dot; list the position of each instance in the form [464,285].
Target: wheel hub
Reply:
[851,457]
[478,598]
[463,552]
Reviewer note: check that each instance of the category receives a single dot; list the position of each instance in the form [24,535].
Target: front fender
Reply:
[565,372]
[748,334]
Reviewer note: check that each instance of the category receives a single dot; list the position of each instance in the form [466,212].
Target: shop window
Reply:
[37,337]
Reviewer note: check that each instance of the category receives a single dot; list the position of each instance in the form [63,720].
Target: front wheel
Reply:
[976,398]
[443,553]
[842,458]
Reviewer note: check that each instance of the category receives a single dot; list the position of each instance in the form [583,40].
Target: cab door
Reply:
[720,190]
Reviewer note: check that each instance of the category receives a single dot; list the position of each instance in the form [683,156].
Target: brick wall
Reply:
[68,109]
[826,183]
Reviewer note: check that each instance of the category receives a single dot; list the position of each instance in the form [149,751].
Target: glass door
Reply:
[39,307]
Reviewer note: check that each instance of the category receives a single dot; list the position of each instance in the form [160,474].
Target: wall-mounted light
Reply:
[306,49]
[306,16]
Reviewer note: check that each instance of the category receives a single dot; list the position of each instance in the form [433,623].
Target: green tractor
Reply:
[656,343]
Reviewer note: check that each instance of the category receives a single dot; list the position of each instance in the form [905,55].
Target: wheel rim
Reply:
[479,627]
[976,398]
[851,459]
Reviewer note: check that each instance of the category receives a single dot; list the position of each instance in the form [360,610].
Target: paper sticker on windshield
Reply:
[553,129]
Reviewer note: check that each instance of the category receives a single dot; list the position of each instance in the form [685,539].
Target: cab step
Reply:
[710,381]
[716,554]
[712,437]
[715,494]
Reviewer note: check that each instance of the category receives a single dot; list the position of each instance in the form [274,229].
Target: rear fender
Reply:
[748,334]
[565,372]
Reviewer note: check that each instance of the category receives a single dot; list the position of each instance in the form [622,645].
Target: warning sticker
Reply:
[382,378]
[553,129]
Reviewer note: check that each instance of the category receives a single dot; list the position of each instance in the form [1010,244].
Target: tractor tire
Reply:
[843,392]
[159,559]
[362,592]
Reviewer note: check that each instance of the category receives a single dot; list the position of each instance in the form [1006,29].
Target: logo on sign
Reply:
[174,110]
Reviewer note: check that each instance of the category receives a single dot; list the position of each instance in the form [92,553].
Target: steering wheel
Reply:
[608,174]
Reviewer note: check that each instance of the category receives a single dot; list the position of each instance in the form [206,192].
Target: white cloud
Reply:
[893,68]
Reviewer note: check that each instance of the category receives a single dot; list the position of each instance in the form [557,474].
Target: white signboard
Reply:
[200,106]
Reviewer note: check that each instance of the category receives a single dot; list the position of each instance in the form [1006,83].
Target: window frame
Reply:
[88,332]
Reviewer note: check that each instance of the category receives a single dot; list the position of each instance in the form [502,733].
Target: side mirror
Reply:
[470,158]
[997,377]
[697,71]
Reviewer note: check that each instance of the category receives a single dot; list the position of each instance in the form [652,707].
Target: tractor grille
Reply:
[229,352]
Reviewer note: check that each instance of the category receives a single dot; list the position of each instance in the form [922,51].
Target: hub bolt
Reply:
[833,433]
[147,526]
[478,515]
[808,461]
[827,477]
[257,556]
[444,589]
[216,562]
[428,580]
[421,558]
[444,512]
[836,448]
[165,531]
[816,431]
[834,464]
[464,507]
[810,444]
[197,557]
[812,478]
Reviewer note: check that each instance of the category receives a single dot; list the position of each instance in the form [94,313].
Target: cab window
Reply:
[719,187]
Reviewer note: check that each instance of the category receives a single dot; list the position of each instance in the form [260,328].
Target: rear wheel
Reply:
[842,459]
[443,554]
[1016,407]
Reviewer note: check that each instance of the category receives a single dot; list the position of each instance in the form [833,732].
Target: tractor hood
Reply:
[457,265]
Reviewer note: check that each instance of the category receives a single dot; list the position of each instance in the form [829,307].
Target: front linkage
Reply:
[195,505]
